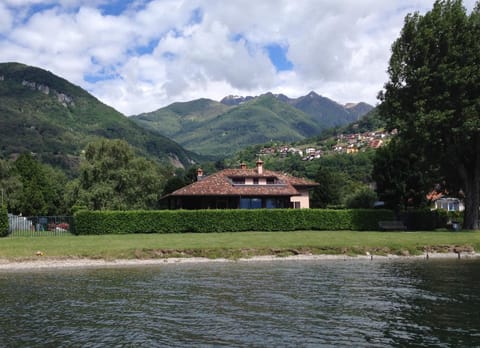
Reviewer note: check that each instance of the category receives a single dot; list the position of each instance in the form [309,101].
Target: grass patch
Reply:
[237,245]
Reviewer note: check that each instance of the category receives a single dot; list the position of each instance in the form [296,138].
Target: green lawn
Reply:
[234,245]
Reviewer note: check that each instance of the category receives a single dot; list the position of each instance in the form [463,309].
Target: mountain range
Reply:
[324,110]
[49,116]
[222,128]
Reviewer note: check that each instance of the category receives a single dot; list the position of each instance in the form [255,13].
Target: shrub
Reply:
[180,221]
[425,220]
[3,221]
[452,215]
[363,199]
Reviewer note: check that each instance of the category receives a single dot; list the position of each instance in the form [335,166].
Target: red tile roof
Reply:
[220,184]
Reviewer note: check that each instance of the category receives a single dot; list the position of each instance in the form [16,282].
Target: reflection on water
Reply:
[333,303]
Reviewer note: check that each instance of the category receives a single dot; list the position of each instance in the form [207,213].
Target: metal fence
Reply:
[37,226]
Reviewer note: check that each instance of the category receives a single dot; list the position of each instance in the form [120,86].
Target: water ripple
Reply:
[305,304]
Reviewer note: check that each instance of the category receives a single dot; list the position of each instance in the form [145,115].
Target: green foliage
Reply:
[362,199]
[179,118]
[180,221]
[424,219]
[329,190]
[10,184]
[32,197]
[371,121]
[172,184]
[452,215]
[357,167]
[403,177]
[112,177]
[338,175]
[3,221]
[32,188]
[58,129]
[432,95]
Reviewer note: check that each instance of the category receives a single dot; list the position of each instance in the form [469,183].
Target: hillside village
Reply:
[342,143]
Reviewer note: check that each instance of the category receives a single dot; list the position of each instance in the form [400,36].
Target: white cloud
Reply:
[6,19]
[148,54]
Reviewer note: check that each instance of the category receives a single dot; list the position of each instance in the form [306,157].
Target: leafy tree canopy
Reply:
[432,95]
[112,177]
[31,188]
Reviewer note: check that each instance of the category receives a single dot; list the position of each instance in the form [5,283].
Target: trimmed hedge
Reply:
[3,221]
[180,221]
[428,220]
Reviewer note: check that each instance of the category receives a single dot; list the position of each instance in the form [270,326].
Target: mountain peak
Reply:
[232,100]
[238,121]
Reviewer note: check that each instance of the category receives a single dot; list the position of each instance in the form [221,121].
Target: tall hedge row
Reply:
[428,220]
[180,221]
[3,221]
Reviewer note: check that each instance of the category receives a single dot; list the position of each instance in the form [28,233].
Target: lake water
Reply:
[264,304]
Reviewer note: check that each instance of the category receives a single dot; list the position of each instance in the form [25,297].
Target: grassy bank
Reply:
[234,245]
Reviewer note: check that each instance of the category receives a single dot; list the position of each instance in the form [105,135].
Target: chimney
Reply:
[260,166]
[199,174]
[243,165]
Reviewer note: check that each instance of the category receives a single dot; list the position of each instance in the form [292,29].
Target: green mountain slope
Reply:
[217,134]
[369,122]
[328,112]
[220,129]
[45,114]
[322,109]
[179,118]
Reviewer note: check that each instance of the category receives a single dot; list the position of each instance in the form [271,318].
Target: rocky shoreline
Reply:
[54,263]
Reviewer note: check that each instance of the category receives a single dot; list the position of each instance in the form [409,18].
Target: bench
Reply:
[394,225]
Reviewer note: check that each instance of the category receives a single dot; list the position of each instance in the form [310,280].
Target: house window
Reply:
[250,203]
[238,181]
[271,203]
[255,181]
[270,181]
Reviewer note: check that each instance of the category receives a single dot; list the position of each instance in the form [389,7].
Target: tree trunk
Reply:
[471,179]
[470,219]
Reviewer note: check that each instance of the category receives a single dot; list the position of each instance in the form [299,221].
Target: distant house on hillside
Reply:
[449,204]
[243,188]
[440,201]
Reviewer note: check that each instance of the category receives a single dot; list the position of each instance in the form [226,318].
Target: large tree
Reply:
[113,177]
[403,176]
[433,95]
[329,190]
[32,188]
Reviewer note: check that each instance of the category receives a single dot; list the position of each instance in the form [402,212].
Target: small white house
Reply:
[449,204]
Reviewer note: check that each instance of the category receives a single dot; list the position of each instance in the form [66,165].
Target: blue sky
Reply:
[140,55]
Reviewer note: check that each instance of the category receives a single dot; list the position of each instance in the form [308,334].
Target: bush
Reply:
[181,221]
[452,215]
[363,199]
[3,221]
[425,220]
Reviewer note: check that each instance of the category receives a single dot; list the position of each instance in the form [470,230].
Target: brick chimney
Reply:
[243,165]
[199,174]
[260,166]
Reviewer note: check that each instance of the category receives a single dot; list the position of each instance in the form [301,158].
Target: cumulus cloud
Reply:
[5,19]
[140,55]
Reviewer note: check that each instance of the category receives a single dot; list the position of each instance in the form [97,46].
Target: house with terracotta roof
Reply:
[243,188]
